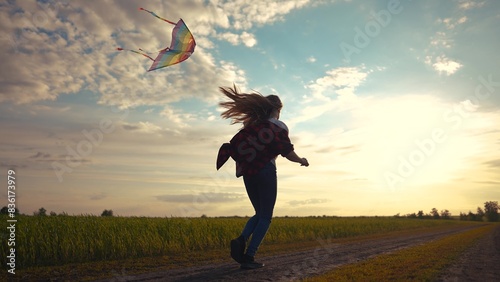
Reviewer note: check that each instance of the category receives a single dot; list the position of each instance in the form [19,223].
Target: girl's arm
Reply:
[292,156]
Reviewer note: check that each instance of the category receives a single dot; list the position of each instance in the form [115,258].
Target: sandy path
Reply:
[295,266]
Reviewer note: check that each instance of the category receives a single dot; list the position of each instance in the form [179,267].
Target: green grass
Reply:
[420,263]
[59,240]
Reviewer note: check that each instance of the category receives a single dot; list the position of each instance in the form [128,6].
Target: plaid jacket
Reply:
[254,146]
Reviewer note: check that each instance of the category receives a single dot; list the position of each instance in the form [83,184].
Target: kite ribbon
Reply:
[152,13]
[138,52]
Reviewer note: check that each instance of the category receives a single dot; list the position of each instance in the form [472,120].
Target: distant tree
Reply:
[445,214]
[411,215]
[491,210]
[41,212]
[5,210]
[471,216]
[204,216]
[53,213]
[463,216]
[420,214]
[479,214]
[107,213]
[435,213]
[63,213]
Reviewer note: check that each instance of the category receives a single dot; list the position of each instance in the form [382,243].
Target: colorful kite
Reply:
[181,46]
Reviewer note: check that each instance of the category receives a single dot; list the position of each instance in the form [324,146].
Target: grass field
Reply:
[59,240]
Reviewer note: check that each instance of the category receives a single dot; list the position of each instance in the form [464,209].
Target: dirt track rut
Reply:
[481,262]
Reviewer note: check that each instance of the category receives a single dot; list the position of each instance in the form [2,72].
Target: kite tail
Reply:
[142,9]
[140,52]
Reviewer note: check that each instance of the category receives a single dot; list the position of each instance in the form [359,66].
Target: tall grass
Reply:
[57,240]
[285,230]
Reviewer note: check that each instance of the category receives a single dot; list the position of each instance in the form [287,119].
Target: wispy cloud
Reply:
[311,59]
[493,163]
[40,155]
[98,196]
[143,127]
[210,197]
[451,23]
[443,41]
[334,91]
[313,201]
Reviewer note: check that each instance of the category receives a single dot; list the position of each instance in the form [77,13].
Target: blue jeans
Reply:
[262,190]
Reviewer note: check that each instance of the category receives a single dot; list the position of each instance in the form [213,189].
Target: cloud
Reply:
[53,49]
[382,131]
[9,165]
[244,14]
[68,47]
[206,197]
[143,127]
[327,147]
[307,202]
[451,23]
[440,39]
[248,39]
[444,39]
[334,91]
[245,38]
[470,4]
[311,59]
[342,81]
[230,37]
[493,163]
[40,155]
[59,48]
[96,197]
[444,65]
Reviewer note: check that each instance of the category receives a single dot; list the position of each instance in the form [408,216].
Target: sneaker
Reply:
[238,249]
[250,263]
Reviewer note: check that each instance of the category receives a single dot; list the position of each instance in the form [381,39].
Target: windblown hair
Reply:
[248,108]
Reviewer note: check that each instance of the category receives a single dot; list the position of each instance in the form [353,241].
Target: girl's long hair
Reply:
[248,108]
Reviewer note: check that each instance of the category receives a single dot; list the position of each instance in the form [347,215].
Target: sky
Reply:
[395,104]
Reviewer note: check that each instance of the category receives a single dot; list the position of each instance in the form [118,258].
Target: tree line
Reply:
[43,212]
[489,213]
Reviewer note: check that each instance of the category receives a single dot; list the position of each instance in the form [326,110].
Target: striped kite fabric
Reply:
[181,47]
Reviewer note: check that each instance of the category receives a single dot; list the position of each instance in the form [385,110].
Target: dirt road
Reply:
[479,263]
[326,256]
